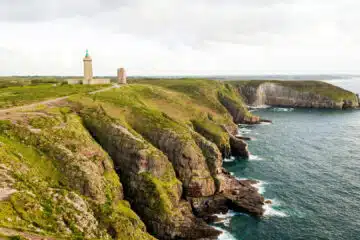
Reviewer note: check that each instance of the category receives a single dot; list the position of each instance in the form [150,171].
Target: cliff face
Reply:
[289,94]
[138,162]
[149,179]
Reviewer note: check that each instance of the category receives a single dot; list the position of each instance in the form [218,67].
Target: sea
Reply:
[307,163]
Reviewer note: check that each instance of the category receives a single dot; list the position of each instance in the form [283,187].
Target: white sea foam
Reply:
[255,158]
[271,211]
[231,159]
[244,130]
[241,179]
[265,123]
[260,186]
[259,107]
[226,218]
[225,235]
[283,109]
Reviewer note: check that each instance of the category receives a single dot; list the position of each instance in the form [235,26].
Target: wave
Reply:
[259,107]
[255,158]
[260,186]
[225,235]
[282,109]
[225,218]
[231,159]
[271,211]
[244,130]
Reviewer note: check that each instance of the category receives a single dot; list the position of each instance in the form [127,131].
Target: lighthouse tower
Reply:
[88,70]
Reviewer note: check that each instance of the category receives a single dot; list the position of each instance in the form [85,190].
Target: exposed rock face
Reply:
[177,143]
[239,148]
[211,153]
[273,94]
[231,193]
[238,195]
[149,180]
[239,114]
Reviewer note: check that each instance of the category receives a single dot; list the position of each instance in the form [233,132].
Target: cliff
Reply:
[143,161]
[140,162]
[308,94]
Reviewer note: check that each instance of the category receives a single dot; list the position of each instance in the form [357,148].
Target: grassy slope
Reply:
[21,95]
[175,104]
[322,88]
[61,190]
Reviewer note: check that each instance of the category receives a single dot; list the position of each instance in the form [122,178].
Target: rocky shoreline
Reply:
[143,161]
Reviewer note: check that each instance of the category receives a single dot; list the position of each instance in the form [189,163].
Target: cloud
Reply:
[180,36]
[44,10]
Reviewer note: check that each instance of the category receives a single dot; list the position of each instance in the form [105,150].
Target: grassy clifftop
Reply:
[317,87]
[66,170]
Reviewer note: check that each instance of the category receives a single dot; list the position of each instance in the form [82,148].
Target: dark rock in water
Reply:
[207,206]
[243,138]
[265,121]
[251,120]
[239,148]
[242,196]
[238,195]
[212,219]
[268,201]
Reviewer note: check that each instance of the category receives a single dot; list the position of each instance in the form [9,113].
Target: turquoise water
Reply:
[309,164]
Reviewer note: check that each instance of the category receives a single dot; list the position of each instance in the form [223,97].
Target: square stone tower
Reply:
[121,76]
[88,70]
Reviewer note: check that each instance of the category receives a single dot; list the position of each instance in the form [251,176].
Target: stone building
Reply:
[121,75]
[88,70]
[88,74]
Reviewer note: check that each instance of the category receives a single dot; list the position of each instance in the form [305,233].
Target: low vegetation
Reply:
[27,94]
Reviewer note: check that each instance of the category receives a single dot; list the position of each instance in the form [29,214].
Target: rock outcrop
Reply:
[149,179]
[237,111]
[177,143]
[275,94]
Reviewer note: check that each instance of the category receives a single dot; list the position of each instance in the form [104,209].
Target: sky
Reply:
[180,37]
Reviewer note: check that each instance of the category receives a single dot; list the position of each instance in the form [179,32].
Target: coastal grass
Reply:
[27,94]
[157,105]
[46,156]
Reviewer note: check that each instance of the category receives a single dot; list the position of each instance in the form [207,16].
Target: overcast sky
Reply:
[180,37]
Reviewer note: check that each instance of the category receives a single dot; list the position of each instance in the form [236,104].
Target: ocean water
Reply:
[308,164]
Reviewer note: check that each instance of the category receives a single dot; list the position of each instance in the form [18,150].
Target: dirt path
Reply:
[31,236]
[4,112]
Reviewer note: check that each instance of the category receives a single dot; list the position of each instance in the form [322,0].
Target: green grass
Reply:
[22,95]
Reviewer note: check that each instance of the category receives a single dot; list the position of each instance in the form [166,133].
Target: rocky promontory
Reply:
[144,161]
[136,162]
[304,94]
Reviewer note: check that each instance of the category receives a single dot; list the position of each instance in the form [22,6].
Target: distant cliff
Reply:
[309,94]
